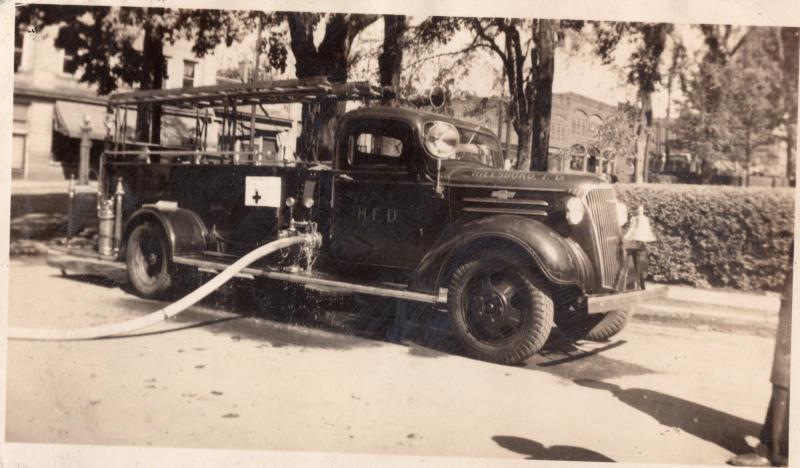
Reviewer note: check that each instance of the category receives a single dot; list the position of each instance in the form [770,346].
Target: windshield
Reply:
[478,148]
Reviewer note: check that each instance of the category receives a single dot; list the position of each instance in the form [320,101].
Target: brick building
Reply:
[574,118]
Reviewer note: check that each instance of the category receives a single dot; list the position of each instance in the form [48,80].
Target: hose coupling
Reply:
[313,240]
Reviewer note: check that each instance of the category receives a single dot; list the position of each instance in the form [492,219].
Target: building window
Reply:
[189,69]
[65,64]
[559,126]
[579,123]
[595,121]
[19,38]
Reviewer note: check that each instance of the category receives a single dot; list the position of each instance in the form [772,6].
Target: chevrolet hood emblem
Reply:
[503,194]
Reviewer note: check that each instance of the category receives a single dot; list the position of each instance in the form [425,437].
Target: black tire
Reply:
[501,311]
[150,271]
[596,327]
[612,323]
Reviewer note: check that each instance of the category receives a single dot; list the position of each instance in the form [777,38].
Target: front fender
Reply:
[185,231]
[560,260]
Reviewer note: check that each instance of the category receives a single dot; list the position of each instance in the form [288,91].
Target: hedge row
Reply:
[714,236]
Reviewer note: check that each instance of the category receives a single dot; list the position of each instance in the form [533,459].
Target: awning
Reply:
[176,130]
[70,119]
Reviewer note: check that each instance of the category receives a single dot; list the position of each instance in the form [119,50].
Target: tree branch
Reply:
[480,31]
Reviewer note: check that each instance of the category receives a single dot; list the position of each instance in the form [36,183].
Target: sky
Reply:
[577,69]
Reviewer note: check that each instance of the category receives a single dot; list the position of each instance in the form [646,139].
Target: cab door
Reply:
[378,199]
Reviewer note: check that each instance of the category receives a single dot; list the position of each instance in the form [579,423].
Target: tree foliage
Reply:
[741,95]
[643,70]
[525,49]
[616,135]
[113,47]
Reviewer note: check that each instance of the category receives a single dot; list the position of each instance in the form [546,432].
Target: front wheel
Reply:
[596,327]
[612,323]
[501,311]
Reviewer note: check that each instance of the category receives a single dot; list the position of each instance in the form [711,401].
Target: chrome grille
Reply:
[606,233]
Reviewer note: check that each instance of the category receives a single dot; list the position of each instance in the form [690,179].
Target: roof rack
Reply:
[256,92]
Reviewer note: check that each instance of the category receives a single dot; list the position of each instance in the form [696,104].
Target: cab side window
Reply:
[379,144]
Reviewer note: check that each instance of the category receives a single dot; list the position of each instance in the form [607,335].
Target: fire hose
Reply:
[114,329]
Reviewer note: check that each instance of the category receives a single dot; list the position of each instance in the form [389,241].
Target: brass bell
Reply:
[640,230]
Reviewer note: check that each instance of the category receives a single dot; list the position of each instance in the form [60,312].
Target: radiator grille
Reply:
[606,233]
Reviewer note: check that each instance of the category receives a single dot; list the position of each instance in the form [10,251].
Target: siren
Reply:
[436,97]
[640,230]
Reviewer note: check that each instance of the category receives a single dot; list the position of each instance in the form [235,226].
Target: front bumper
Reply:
[605,303]
[630,281]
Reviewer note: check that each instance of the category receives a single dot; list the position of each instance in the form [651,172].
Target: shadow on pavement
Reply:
[714,426]
[536,451]
[93,280]
[245,325]
[426,331]
[571,360]
[162,331]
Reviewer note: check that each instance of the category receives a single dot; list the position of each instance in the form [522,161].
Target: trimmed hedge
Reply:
[716,236]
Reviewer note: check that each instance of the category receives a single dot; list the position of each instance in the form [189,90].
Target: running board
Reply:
[306,279]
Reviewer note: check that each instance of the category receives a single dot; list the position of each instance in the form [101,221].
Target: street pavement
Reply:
[223,375]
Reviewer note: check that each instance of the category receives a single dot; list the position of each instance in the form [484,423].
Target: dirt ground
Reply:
[220,378]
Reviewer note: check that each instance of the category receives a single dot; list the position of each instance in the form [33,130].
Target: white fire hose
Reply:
[101,331]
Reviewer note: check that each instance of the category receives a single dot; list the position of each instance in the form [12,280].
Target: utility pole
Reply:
[254,77]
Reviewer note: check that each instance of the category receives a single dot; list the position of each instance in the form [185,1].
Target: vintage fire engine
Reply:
[412,205]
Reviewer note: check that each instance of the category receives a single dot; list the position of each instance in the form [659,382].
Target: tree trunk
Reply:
[316,142]
[391,59]
[543,63]
[642,127]
[523,147]
[148,118]
[143,122]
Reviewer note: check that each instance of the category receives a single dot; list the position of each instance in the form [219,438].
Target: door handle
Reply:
[344,177]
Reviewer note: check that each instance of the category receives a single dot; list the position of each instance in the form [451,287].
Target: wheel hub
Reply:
[493,305]
[493,313]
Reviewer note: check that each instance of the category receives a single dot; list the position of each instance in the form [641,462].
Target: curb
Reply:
[712,310]
[766,302]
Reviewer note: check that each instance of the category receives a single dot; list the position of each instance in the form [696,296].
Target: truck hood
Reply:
[477,176]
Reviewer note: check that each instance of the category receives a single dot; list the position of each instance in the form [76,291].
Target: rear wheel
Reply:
[149,269]
[501,311]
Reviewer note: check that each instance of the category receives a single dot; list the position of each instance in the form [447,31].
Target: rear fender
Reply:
[560,260]
[185,231]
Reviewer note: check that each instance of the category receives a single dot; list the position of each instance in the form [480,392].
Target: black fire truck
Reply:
[412,205]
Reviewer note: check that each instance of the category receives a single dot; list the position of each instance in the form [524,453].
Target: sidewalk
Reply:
[713,309]
[42,187]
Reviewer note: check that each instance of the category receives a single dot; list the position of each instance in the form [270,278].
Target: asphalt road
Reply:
[218,377]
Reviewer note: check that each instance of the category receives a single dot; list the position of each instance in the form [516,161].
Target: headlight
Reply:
[574,211]
[622,213]
[441,140]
